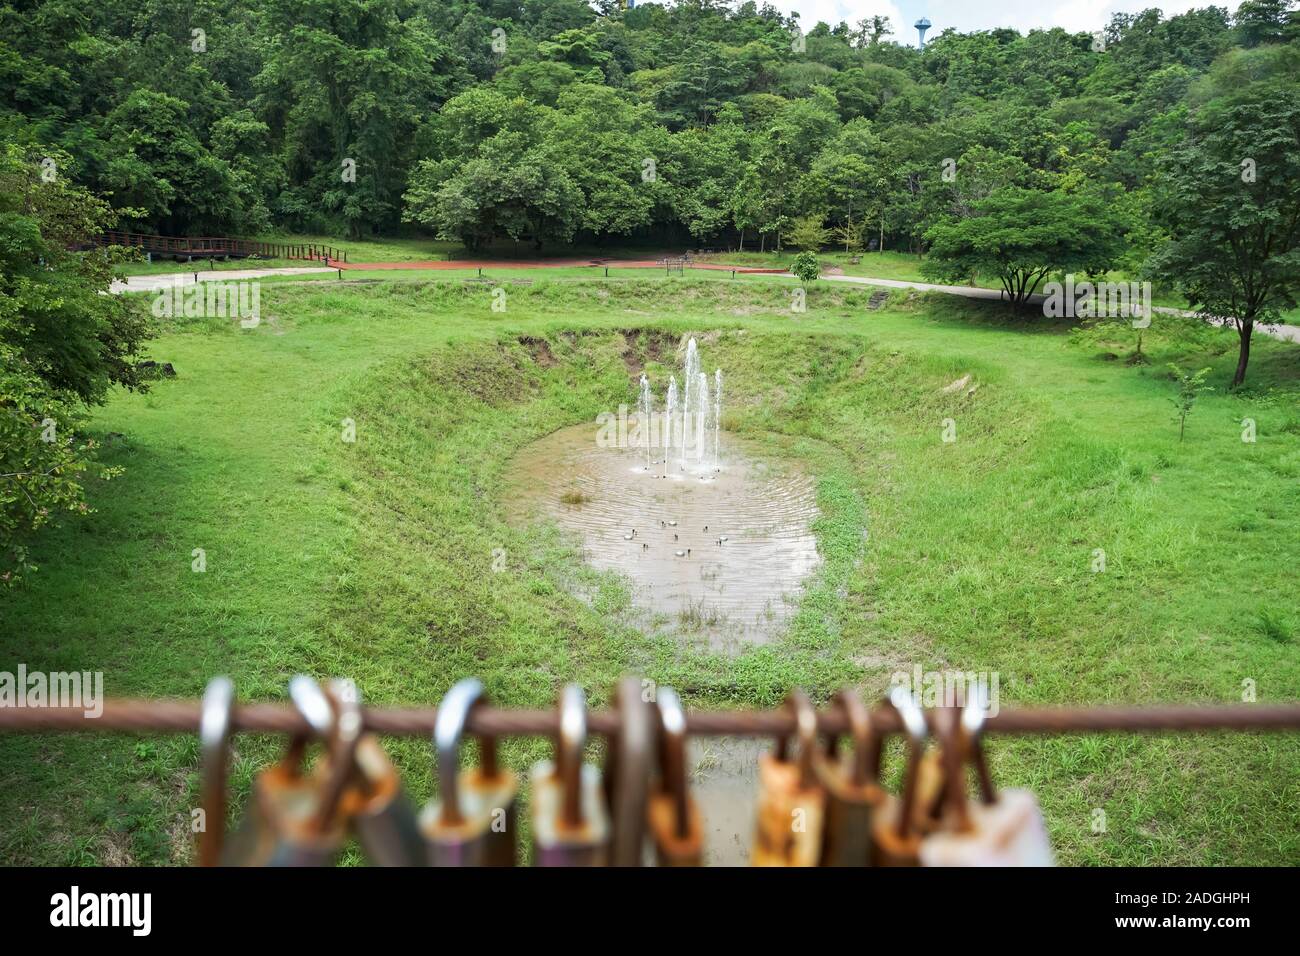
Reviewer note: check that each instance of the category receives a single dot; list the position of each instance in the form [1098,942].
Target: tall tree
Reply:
[1229,199]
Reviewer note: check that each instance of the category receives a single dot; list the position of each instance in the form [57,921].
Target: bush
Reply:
[806,266]
[63,344]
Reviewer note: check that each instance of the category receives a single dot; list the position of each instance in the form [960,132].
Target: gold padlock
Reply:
[473,821]
[570,823]
[791,805]
[852,787]
[672,816]
[894,839]
[374,802]
[292,818]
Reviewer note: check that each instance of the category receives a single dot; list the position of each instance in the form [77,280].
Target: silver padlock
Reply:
[472,823]
[215,724]
[570,824]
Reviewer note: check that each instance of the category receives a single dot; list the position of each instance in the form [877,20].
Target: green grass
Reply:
[373,559]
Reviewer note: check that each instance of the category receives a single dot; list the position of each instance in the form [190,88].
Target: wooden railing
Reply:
[206,246]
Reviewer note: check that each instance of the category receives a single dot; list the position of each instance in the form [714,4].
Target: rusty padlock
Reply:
[570,824]
[672,816]
[1004,829]
[852,787]
[628,764]
[215,725]
[472,823]
[374,802]
[894,838]
[791,804]
[292,817]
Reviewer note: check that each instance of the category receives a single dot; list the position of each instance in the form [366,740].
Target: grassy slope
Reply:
[373,559]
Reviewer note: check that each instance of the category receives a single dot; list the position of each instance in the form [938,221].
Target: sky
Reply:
[967,15]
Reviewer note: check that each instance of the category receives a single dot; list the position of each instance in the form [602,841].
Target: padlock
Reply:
[1004,829]
[791,804]
[672,817]
[374,802]
[895,840]
[852,787]
[570,824]
[215,724]
[472,823]
[628,765]
[292,818]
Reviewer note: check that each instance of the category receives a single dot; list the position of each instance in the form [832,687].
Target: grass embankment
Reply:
[373,559]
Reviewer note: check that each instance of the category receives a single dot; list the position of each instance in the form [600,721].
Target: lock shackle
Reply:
[448,729]
[866,754]
[568,752]
[913,721]
[946,725]
[672,757]
[216,721]
[805,720]
[336,719]
[346,728]
[972,728]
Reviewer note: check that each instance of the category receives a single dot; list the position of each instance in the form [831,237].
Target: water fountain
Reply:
[645,413]
[723,554]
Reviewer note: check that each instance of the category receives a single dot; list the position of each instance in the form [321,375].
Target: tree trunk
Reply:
[1243,354]
[742,240]
[762,242]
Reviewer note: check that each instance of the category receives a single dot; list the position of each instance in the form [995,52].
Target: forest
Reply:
[552,121]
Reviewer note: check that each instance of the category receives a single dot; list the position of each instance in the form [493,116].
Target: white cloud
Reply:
[1083,16]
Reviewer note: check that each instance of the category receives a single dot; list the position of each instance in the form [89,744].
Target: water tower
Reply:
[921,26]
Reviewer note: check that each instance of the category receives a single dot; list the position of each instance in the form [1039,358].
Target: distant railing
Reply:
[201,246]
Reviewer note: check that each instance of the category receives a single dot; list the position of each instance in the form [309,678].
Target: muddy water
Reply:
[721,552]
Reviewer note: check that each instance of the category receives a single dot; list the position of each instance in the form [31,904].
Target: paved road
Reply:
[152,283]
[167,280]
[1287,333]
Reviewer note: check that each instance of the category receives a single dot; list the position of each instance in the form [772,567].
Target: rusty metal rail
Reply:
[206,246]
[170,716]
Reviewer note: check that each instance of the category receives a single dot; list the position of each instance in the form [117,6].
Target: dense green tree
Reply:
[63,344]
[1023,235]
[1229,199]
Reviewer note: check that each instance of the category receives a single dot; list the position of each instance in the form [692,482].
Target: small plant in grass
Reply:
[1190,385]
[1273,626]
[806,267]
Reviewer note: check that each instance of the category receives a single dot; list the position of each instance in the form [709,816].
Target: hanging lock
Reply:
[473,821]
[216,720]
[628,763]
[292,817]
[673,817]
[374,802]
[791,805]
[852,787]
[1004,829]
[894,838]
[570,824]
